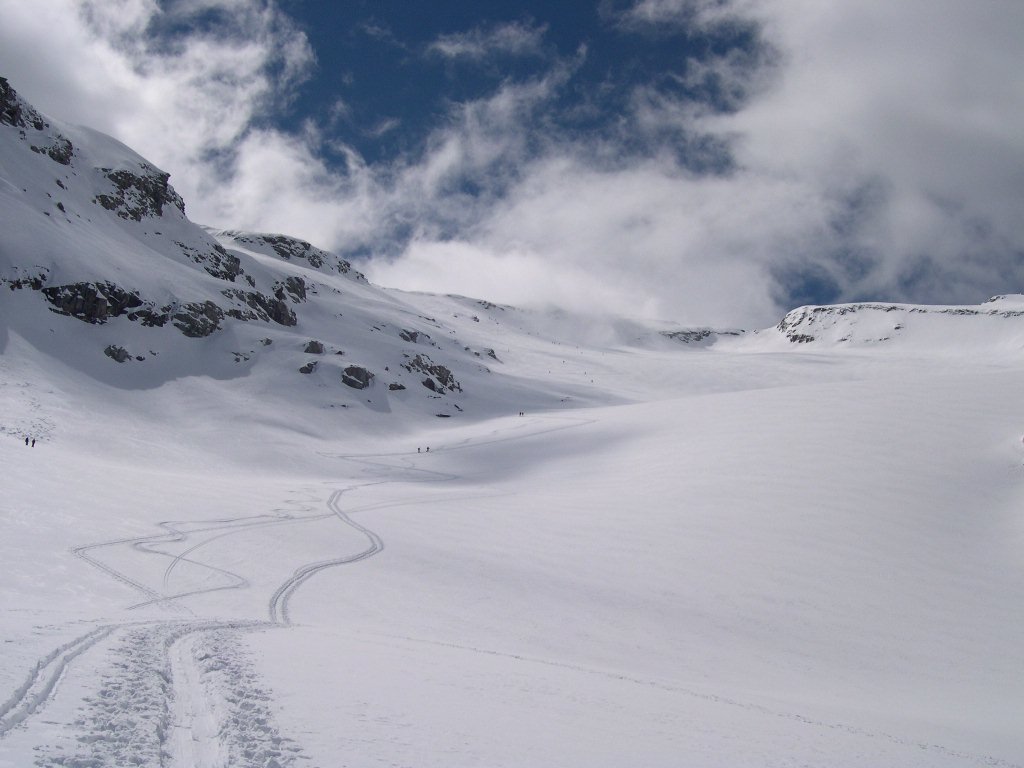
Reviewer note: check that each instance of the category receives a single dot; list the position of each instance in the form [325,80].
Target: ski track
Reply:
[183,695]
[278,607]
[42,681]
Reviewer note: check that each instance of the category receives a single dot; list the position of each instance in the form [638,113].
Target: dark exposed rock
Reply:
[116,353]
[198,319]
[314,347]
[699,336]
[395,386]
[151,317]
[442,379]
[293,286]
[689,336]
[289,248]
[356,377]
[15,112]
[308,367]
[259,306]
[27,280]
[59,151]
[217,261]
[486,351]
[137,196]
[91,302]
[414,337]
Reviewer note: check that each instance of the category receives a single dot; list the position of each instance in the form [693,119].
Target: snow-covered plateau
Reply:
[276,515]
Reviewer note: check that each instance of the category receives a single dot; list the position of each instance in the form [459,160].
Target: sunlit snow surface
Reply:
[758,553]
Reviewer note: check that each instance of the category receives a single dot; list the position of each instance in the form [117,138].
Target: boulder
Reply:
[356,377]
[117,354]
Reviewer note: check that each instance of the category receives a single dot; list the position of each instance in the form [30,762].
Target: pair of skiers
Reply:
[33,442]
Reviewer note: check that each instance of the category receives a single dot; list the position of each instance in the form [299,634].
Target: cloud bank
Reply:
[825,152]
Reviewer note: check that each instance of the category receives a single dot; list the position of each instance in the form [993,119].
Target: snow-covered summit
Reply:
[997,324]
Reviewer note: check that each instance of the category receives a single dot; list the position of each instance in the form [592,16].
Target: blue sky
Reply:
[388,73]
[705,161]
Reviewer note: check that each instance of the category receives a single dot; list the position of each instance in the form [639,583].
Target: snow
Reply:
[750,550]
[818,563]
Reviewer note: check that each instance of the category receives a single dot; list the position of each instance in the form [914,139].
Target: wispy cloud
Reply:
[844,151]
[509,39]
[654,13]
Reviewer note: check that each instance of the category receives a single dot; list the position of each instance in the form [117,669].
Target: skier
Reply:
[33,442]
[26,441]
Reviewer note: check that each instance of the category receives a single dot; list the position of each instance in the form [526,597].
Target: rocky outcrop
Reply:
[136,196]
[91,302]
[59,150]
[289,248]
[251,305]
[439,378]
[308,367]
[26,279]
[699,336]
[414,337]
[117,354]
[295,287]
[485,351]
[198,319]
[356,377]
[216,261]
[15,112]
[314,347]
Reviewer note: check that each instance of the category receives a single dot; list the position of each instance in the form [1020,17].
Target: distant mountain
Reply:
[994,325]
[105,272]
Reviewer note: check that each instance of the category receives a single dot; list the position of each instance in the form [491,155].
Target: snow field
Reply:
[775,567]
[786,554]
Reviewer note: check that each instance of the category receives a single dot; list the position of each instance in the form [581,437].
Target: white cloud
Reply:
[511,38]
[176,102]
[918,98]
[689,12]
[644,240]
[882,157]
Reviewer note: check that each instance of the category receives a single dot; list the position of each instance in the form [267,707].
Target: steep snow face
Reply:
[992,327]
[287,248]
[78,206]
[102,270]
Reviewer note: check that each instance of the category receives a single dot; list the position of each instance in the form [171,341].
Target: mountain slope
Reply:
[244,537]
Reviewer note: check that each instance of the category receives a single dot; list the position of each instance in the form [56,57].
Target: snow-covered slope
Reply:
[625,545]
[993,327]
[102,268]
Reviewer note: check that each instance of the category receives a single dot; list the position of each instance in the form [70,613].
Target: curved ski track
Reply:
[40,684]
